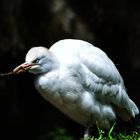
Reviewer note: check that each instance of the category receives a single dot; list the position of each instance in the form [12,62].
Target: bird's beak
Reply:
[23,67]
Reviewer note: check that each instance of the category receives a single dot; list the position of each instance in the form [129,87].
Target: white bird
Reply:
[80,80]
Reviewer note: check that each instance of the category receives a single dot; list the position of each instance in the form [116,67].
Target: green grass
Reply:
[134,135]
[62,134]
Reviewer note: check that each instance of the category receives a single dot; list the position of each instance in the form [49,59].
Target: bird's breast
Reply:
[64,95]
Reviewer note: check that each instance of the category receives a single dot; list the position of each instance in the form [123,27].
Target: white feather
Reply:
[82,82]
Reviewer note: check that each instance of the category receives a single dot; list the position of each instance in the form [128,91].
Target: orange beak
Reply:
[23,68]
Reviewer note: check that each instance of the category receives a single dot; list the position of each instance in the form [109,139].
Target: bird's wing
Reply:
[98,63]
[92,57]
[95,71]
[103,79]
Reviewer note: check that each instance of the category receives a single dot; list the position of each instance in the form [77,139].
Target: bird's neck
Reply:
[46,83]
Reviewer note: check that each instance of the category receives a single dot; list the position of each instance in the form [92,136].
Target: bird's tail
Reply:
[133,107]
[125,107]
[129,105]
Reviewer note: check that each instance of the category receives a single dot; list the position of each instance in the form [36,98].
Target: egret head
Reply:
[38,60]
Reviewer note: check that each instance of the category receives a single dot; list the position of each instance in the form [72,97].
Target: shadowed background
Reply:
[113,26]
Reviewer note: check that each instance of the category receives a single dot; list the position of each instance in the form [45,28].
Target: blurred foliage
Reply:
[57,134]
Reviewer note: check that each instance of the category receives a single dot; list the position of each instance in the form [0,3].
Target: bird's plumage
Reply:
[81,81]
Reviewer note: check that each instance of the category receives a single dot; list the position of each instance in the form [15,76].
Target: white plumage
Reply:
[81,81]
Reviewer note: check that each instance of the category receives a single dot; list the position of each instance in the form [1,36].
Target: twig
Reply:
[5,74]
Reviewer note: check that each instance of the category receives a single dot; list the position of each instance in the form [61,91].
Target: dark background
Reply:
[114,26]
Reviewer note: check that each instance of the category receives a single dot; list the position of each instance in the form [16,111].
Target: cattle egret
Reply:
[80,80]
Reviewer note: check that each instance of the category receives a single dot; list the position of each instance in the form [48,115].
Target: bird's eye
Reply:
[36,60]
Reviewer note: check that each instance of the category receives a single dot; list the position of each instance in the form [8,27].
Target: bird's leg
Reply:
[86,133]
[87,129]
